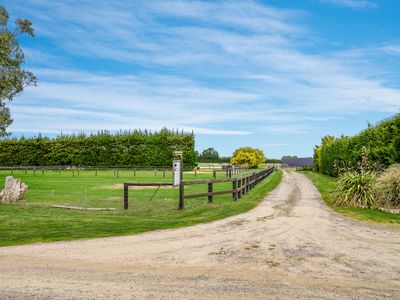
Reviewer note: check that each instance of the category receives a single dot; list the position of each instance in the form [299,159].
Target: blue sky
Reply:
[276,75]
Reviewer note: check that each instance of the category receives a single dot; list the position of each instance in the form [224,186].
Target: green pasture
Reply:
[326,184]
[34,220]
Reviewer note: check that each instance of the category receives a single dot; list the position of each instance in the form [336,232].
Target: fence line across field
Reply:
[240,186]
[227,171]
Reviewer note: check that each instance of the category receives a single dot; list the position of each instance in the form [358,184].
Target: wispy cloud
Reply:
[352,3]
[226,67]
[392,49]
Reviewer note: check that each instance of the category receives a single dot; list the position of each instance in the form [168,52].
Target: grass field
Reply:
[325,184]
[34,220]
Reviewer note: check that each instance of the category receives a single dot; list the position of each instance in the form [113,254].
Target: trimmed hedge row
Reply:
[123,149]
[381,144]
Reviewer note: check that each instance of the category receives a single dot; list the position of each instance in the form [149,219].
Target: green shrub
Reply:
[381,142]
[247,157]
[355,189]
[128,148]
[387,187]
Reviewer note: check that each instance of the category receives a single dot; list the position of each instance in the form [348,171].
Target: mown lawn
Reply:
[326,184]
[34,220]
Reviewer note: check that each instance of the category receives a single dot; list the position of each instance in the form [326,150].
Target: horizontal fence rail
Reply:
[240,186]
[127,185]
[228,172]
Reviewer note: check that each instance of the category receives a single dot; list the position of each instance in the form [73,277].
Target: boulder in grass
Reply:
[14,190]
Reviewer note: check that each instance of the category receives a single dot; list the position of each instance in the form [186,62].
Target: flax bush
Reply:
[387,187]
[355,189]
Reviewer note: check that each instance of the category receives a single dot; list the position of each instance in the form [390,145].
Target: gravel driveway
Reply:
[290,246]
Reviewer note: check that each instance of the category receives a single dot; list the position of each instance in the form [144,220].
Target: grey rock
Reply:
[14,190]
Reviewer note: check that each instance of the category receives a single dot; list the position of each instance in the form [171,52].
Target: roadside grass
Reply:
[34,220]
[326,184]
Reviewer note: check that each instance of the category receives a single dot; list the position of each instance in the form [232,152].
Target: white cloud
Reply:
[392,49]
[352,3]
[225,67]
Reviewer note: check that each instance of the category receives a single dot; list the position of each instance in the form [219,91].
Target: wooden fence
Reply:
[240,186]
[74,170]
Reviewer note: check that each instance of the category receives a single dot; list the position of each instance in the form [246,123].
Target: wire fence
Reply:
[103,188]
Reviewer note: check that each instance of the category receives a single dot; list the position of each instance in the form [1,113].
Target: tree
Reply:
[209,153]
[13,79]
[326,140]
[247,157]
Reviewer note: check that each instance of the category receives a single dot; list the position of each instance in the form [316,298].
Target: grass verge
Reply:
[35,221]
[325,185]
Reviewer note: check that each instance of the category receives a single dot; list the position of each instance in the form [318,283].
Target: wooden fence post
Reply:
[210,190]
[234,194]
[239,185]
[126,189]
[181,195]
[214,174]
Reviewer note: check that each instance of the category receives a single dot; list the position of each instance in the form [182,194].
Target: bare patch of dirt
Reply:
[290,246]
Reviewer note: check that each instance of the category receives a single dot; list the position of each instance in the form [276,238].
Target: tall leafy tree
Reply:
[209,153]
[13,79]
[374,148]
[247,157]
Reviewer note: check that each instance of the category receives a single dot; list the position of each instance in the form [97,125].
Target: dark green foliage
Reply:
[210,155]
[382,142]
[13,79]
[137,148]
[273,161]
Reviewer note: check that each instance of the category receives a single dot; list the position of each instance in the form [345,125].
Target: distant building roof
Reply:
[298,161]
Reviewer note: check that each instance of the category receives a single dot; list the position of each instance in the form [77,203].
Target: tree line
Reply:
[379,143]
[210,155]
[122,149]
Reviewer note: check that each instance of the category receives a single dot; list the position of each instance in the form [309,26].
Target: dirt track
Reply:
[291,246]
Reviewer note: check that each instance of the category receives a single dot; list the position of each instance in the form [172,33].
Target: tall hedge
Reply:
[381,142]
[136,148]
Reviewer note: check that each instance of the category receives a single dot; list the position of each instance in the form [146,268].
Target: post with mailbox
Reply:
[178,176]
